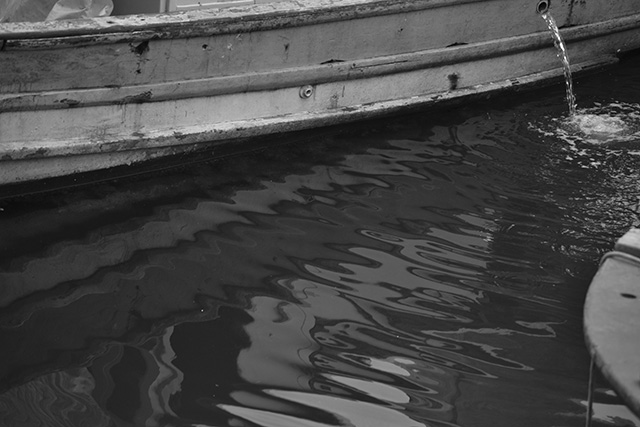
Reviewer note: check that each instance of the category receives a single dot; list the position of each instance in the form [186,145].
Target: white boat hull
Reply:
[94,94]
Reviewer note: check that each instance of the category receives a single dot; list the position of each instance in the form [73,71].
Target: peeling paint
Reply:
[179,135]
[454,79]
[140,48]
[70,102]
[332,61]
[251,92]
[333,101]
[40,152]
[136,99]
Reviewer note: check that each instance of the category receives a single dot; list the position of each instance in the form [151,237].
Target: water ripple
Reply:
[425,271]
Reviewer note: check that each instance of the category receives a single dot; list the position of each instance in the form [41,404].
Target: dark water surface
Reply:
[426,270]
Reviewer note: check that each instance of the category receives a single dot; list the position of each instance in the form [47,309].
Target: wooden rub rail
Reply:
[612,319]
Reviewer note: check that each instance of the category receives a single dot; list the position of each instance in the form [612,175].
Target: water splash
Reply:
[610,124]
[616,125]
[597,126]
[564,57]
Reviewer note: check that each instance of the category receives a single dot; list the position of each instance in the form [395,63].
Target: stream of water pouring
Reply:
[610,123]
[614,122]
[564,57]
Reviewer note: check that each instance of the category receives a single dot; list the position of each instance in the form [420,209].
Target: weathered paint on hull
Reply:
[86,95]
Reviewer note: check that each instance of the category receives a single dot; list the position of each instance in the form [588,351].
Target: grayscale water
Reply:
[423,270]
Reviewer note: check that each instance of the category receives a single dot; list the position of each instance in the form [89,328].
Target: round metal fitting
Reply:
[306,92]
[543,6]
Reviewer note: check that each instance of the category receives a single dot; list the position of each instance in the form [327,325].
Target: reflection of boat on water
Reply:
[140,275]
[364,321]
[612,318]
[77,96]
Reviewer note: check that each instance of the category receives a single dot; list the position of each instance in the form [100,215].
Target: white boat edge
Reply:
[612,318]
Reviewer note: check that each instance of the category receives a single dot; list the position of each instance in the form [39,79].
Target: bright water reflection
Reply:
[616,125]
[427,270]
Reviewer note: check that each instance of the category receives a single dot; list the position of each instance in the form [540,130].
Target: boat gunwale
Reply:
[208,22]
